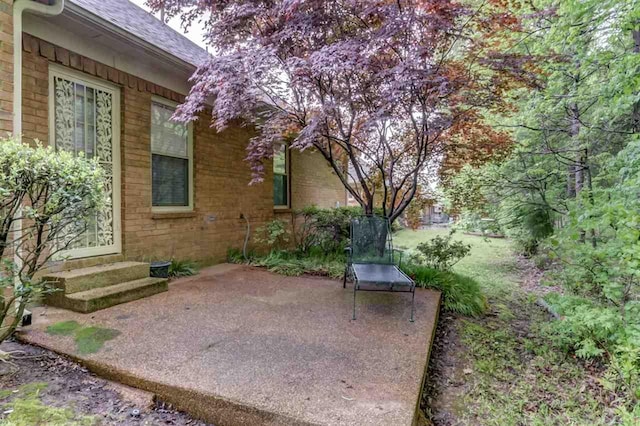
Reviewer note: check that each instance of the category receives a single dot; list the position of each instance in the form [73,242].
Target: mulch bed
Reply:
[70,385]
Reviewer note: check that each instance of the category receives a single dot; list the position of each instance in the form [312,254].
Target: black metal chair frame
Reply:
[358,274]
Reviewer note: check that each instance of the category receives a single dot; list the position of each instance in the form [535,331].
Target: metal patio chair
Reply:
[371,260]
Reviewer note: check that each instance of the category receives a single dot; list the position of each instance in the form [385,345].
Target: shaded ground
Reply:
[239,345]
[502,368]
[44,388]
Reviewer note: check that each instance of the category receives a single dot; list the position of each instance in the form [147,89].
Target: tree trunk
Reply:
[574,131]
[636,108]
[574,134]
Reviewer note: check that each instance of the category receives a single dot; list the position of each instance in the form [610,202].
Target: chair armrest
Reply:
[348,252]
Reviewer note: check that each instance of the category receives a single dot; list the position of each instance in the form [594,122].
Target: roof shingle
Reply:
[142,24]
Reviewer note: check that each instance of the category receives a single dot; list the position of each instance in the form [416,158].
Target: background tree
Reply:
[570,182]
[380,88]
[54,195]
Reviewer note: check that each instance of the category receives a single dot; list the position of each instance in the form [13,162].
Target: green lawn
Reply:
[491,261]
[511,373]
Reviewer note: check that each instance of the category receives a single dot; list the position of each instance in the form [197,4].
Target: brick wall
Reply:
[6,66]
[221,176]
[313,181]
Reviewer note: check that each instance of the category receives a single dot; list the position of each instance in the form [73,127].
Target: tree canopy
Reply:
[382,89]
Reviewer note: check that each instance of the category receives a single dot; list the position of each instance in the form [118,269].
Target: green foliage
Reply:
[275,234]
[473,221]
[599,250]
[88,340]
[235,255]
[54,195]
[315,262]
[460,294]
[511,373]
[182,268]
[602,331]
[440,252]
[527,224]
[26,409]
[327,229]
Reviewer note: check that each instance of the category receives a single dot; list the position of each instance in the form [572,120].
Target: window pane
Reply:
[280,191]
[170,183]
[280,159]
[167,137]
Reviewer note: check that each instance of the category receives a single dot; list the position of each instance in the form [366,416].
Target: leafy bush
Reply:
[235,255]
[182,268]
[600,331]
[275,234]
[440,253]
[54,194]
[471,221]
[527,225]
[327,229]
[599,250]
[294,264]
[460,293]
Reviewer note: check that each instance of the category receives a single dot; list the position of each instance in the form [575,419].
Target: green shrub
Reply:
[182,268]
[460,294]
[527,225]
[594,330]
[295,263]
[275,234]
[471,221]
[235,255]
[440,253]
[57,194]
[327,229]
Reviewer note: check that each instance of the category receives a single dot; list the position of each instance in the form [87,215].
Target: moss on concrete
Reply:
[64,328]
[88,340]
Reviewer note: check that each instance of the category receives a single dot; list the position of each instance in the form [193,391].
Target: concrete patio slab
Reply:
[238,345]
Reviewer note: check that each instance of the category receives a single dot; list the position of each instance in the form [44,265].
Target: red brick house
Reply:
[103,77]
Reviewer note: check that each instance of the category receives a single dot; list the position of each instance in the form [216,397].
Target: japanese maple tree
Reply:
[382,89]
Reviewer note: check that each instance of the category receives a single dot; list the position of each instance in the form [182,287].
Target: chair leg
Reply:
[344,280]
[355,286]
[413,298]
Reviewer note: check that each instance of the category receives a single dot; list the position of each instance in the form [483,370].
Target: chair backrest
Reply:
[371,240]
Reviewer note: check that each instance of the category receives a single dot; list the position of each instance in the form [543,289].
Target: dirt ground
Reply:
[68,385]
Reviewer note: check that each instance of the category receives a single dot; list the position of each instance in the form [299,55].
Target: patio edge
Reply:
[417,412]
[206,407]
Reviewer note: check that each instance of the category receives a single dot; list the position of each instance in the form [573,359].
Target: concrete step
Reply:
[94,277]
[104,297]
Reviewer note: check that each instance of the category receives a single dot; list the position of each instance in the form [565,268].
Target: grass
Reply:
[24,407]
[88,340]
[490,262]
[512,374]
[460,293]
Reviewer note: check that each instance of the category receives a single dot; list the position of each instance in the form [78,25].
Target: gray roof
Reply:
[142,24]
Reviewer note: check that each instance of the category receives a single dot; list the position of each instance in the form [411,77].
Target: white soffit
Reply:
[85,38]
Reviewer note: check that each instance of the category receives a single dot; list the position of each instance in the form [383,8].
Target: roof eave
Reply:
[107,26]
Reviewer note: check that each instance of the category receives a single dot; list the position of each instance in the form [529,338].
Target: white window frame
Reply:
[287,167]
[173,209]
